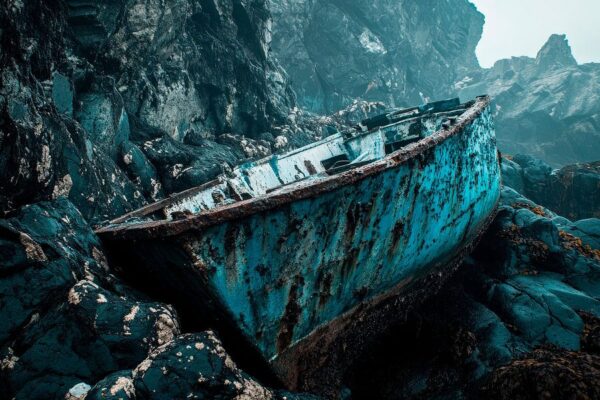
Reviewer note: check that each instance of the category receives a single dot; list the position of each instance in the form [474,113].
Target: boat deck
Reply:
[374,144]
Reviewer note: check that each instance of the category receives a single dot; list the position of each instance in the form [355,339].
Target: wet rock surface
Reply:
[572,191]
[547,373]
[120,103]
[45,152]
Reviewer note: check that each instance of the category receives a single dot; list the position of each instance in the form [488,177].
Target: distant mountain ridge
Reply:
[402,53]
[548,106]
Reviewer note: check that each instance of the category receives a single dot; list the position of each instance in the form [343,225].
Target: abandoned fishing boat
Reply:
[306,254]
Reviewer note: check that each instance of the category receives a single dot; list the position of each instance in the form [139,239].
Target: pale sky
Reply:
[521,27]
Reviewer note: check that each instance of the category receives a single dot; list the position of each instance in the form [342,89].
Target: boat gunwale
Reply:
[118,229]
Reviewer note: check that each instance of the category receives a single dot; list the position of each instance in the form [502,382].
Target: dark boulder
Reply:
[193,366]
[572,191]
[66,321]
[45,153]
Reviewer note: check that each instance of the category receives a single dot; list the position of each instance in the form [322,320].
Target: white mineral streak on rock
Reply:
[101,299]
[33,251]
[128,318]
[125,384]
[156,188]
[62,187]
[141,369]
[371,43]
[24,167]
[132,313]
[251,390]
[43,165]
[9,361]
[100,258]
[177,168]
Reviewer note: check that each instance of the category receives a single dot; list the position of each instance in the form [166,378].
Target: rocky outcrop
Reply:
[44,152]
[192,366]
[186,66]
[93,95]
[531,282]
[546,106]
[572,191]
[66,322]
[384,50]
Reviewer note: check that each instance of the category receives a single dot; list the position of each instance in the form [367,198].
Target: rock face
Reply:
[530,282]
[393,51]
[572,191]
[195,67]
[547,106]
[44,152]
[115,104]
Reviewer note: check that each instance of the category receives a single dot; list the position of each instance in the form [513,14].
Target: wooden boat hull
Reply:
[306,278]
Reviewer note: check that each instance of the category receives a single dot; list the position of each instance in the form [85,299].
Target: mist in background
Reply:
[521,27]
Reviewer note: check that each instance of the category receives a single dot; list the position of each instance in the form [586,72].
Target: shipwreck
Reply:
[306,255]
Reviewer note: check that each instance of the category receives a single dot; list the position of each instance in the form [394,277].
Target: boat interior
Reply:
[370,140]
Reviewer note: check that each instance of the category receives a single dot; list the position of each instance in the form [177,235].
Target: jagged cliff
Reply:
[548,106]
[116,103]
[394,51]
[402,52]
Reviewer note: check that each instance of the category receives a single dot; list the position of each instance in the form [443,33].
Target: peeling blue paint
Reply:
[353,235]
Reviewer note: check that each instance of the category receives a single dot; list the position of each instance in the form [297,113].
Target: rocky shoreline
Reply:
[106,107]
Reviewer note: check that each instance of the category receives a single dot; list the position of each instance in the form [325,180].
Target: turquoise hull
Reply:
[310,259]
